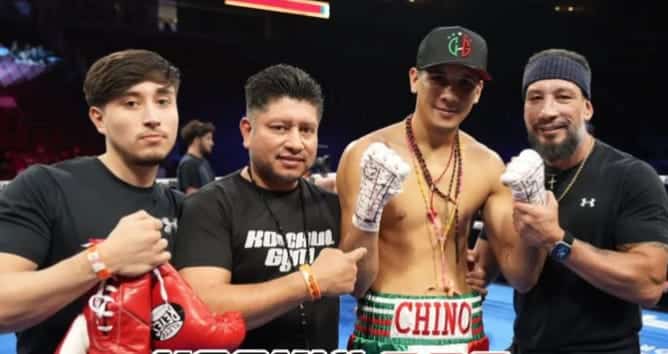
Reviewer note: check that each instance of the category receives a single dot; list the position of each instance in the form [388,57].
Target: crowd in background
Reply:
[12,162]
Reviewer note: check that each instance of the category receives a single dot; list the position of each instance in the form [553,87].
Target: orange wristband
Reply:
[311,282]
[100,269]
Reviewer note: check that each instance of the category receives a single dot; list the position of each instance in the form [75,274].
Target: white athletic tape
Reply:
[525,175]
[382,174]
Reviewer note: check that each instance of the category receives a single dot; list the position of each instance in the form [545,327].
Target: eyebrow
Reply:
[165,90]
[565,90]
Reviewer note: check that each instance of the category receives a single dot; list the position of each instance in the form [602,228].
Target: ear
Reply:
[246,129]
[589,110]
[96,116]
[413,75]
[478,92]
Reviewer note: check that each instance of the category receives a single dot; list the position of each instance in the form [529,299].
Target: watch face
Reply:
[561,251]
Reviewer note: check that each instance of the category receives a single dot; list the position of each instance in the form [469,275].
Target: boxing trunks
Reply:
[419,324]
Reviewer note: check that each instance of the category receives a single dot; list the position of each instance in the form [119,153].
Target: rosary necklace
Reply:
[438,229]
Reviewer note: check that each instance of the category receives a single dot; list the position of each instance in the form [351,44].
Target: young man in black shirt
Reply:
[194,169]
[248,239]
[604,227]
[48,212]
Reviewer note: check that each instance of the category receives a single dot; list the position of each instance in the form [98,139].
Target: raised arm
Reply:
[347,184]
[369,174]
[520,262]
[636,269]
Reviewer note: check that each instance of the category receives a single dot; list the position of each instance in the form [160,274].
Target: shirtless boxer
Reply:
[412,283]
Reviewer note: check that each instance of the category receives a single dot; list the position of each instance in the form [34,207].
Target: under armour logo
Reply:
[591,202]
[169,225]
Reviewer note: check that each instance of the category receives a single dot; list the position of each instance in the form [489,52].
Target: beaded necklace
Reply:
[438,234]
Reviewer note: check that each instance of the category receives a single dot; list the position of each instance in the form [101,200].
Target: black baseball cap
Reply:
[453,45]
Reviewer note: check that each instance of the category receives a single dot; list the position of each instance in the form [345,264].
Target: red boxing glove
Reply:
[116,319]
[182,321]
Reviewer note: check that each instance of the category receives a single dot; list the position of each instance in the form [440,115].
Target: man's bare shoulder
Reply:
[390,135]
[480,151]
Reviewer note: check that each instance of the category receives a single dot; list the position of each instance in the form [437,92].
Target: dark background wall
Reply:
[361,56]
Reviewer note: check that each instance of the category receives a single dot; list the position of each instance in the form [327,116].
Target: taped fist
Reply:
[525,176]
[383,173]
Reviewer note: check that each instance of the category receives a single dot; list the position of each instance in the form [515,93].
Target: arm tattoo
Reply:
[659,245]
[657,281]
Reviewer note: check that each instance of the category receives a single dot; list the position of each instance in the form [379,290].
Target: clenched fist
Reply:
[135,246]
[383,173]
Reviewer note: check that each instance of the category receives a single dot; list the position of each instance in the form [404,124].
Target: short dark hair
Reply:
[196,129]
[279,81]
[110,76]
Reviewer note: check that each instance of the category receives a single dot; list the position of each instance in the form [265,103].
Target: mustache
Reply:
[550,123]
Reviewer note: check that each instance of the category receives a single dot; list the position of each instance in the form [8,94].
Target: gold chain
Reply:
[577,173]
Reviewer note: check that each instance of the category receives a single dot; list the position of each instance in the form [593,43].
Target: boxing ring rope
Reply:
[172,181]
[477,225]
[168,181]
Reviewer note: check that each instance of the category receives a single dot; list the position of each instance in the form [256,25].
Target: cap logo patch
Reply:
[459,45]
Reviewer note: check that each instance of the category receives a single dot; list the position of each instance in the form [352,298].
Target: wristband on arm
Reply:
[311,282]
[99,267]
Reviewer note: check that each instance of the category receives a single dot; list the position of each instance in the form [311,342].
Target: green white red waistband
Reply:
[428,320]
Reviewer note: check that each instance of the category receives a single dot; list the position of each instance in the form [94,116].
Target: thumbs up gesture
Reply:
[336,271]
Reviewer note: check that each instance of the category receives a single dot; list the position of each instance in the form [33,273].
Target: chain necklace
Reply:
[577,172]
[412,143]
[302,311]
[438,234]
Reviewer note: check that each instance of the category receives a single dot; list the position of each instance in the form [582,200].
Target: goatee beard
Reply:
[559,151]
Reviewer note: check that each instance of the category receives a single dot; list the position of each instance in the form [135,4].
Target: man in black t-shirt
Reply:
[48,212]
[262,240]
[603,230]
[194,170]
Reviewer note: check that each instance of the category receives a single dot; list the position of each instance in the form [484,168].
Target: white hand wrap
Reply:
[525,175]
[383,172]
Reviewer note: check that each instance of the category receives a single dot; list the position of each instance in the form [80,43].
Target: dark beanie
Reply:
[557,66]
